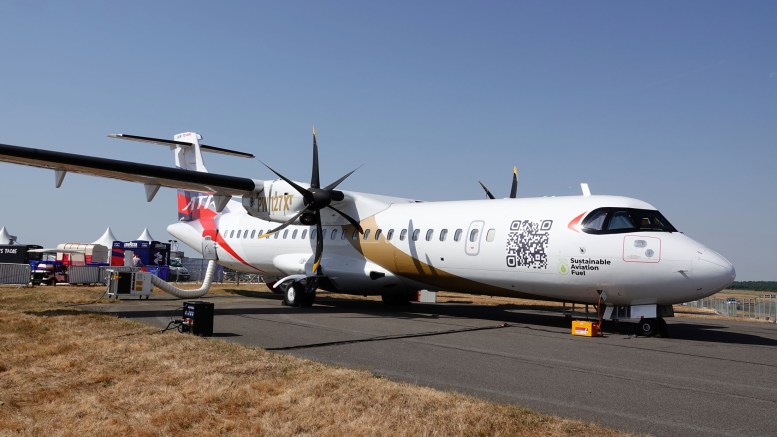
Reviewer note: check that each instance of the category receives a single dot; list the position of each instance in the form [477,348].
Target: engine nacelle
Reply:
[277,202]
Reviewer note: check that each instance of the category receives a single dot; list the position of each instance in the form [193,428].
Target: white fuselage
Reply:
[512,247]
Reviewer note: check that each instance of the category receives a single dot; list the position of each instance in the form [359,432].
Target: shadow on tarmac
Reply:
[679,329]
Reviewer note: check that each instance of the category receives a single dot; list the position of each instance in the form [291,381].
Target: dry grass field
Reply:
[64,371]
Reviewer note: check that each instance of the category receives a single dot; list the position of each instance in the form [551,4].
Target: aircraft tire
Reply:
[648,327]
[663,330]
[397,299]
[293,294]
[307,299]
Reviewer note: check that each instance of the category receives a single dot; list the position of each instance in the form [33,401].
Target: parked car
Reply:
[177,272]
[731,300]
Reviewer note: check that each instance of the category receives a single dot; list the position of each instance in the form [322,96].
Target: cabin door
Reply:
[473,236]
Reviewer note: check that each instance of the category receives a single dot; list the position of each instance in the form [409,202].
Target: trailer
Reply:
[94,254]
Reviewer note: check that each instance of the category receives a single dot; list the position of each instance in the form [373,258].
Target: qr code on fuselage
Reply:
[527,242]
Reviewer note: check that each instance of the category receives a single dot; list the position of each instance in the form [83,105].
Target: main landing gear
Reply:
[300,293]
[398,298]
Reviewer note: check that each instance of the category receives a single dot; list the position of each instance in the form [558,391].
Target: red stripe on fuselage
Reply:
[207,219]
[574,224]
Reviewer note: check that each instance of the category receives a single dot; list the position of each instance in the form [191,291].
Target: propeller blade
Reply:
[299,189]
[284,225]
[337,182]
[315,182]
[488,193]
[319,244]
[514,189]
[350,219]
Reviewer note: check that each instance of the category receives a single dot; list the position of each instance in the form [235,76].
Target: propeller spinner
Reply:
[315,199]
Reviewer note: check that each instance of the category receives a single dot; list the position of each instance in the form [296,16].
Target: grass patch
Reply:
[63,371]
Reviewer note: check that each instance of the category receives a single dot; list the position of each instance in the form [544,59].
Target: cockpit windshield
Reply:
[622,220]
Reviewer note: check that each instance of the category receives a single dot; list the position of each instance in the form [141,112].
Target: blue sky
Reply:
[674,103]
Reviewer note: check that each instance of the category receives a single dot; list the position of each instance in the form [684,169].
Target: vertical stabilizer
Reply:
[189,158]
[190,203]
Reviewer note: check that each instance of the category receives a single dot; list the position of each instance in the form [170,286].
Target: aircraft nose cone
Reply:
[712,272]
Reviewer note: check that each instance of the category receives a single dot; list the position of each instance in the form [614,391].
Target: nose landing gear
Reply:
[651,327]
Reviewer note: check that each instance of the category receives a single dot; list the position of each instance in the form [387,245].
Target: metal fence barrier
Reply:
[197,268]
[757,308]
[19,274]
[85,275]
[232,276]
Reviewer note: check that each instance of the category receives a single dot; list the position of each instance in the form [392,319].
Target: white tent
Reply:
[6,238]
[145,236]
[107,239]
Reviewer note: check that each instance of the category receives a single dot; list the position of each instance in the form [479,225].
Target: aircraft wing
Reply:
[62,162]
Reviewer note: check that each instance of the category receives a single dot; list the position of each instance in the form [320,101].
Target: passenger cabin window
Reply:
[253,232]
[443,234]
[429,234]
[473,236]
[415,234]
[377,234]
[285,233]
[389,234]
[304,234]
[334,234]
[366,234]
[457,235]
[403,235]
[623,220]
[490,235]
[294,234]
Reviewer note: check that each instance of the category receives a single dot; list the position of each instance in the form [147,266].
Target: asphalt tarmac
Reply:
[710,378]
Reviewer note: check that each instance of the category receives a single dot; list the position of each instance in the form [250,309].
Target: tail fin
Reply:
[192,205]
[188,152]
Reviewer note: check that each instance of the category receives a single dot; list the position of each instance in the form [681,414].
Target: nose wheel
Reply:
[652,327]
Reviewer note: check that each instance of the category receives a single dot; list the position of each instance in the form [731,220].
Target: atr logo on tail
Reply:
[192,205]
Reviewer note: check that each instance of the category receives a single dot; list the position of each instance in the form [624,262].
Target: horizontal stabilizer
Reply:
[173,143]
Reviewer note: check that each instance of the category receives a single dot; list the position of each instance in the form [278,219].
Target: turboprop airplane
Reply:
[616,252]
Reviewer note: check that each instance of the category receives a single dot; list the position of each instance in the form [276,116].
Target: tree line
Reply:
[754,285]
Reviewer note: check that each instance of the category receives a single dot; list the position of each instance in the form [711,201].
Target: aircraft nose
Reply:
[712,272]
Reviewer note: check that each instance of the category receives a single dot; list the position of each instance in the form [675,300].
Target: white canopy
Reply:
[107,239]
[5,237]
[145,236]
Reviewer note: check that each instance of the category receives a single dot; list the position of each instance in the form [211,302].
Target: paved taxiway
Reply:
[710,378]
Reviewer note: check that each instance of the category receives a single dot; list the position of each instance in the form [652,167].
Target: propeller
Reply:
[513,189]
[315,199]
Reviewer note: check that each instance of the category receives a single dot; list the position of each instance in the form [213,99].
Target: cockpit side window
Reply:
[623,220]
[595,221]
